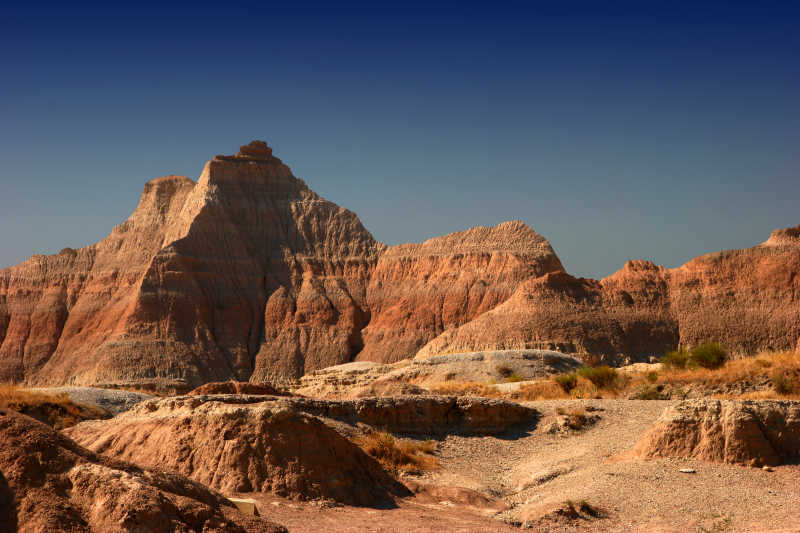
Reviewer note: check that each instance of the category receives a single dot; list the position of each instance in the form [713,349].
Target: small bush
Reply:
[399,454]
[708,355]
[56,410]
[649,392]
[577,419]
[590,510]
[514,378]
[603,377]
[505,371]
[676,359]
[651,376]
[567,382]
[782,384]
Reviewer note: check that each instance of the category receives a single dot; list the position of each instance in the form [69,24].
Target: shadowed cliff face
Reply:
[248,274]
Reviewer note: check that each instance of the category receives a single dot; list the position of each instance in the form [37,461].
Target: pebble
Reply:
[688,470]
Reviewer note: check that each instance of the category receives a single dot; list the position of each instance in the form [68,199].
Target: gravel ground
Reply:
[535,472]
[112,401]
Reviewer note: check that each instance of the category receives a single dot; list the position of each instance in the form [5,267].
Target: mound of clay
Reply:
[237,445]
[238,387]
[749,432]
[49,483]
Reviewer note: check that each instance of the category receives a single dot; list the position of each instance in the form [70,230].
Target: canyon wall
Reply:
[248,274]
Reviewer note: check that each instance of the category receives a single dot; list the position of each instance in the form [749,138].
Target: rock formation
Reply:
[747,299]
[363,378]
[243,444]
[249,275]
[418,291]
[749,432]
[246,273]
[49,483]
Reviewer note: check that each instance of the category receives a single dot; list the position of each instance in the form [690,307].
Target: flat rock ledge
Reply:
[745,432]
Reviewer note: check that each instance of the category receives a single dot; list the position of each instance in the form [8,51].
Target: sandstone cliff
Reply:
[418,291]
[249,275]
[747,299]
[245,273]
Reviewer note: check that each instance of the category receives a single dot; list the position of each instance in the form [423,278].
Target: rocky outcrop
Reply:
[748,299]
[248,275]
[747,432]
[412,377]
[425,415]
[243,444]
[419,291]
[238,387]
[49,483]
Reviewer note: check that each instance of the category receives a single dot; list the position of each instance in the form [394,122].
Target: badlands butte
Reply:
[241,355]
[249,275]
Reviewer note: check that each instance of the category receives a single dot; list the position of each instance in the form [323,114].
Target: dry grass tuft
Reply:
[399,455]
[56,410]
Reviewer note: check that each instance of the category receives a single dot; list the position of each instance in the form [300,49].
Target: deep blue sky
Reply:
[616,131]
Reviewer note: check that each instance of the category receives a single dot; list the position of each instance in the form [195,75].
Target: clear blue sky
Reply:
[616,130]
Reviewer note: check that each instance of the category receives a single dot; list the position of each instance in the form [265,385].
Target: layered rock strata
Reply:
[249,275]
[49,483]
[240,444]
[749,432]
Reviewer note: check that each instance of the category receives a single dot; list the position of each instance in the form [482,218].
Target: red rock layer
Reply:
[747,299]
[249,275]
[418,291]
[247,272]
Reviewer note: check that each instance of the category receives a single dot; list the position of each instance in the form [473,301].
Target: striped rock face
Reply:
[247,274]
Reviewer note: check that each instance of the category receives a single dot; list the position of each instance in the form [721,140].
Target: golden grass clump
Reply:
[56,410]
[399,455]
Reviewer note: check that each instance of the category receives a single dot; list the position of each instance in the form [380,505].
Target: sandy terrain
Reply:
[535,472]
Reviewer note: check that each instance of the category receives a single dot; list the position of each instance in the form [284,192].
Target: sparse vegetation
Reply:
[783,384]
[567,382]
[399,455]
[505,371]
[780,370]
[55,410]
[676,359]
[649,392]
[706,355]
[582,509]
[603,377]
[576,418]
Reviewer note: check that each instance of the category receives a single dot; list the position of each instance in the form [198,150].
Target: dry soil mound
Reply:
[236,444]
[748,432]
[238,387]
[49,483]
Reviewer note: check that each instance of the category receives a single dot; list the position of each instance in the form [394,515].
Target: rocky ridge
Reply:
[247,274]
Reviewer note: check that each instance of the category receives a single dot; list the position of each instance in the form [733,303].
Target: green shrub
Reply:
[603,377]
[504,370]
[567,381]
[513,378]
[708,355]
[650,392]
[676,359]
[651,376]
[782,384]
